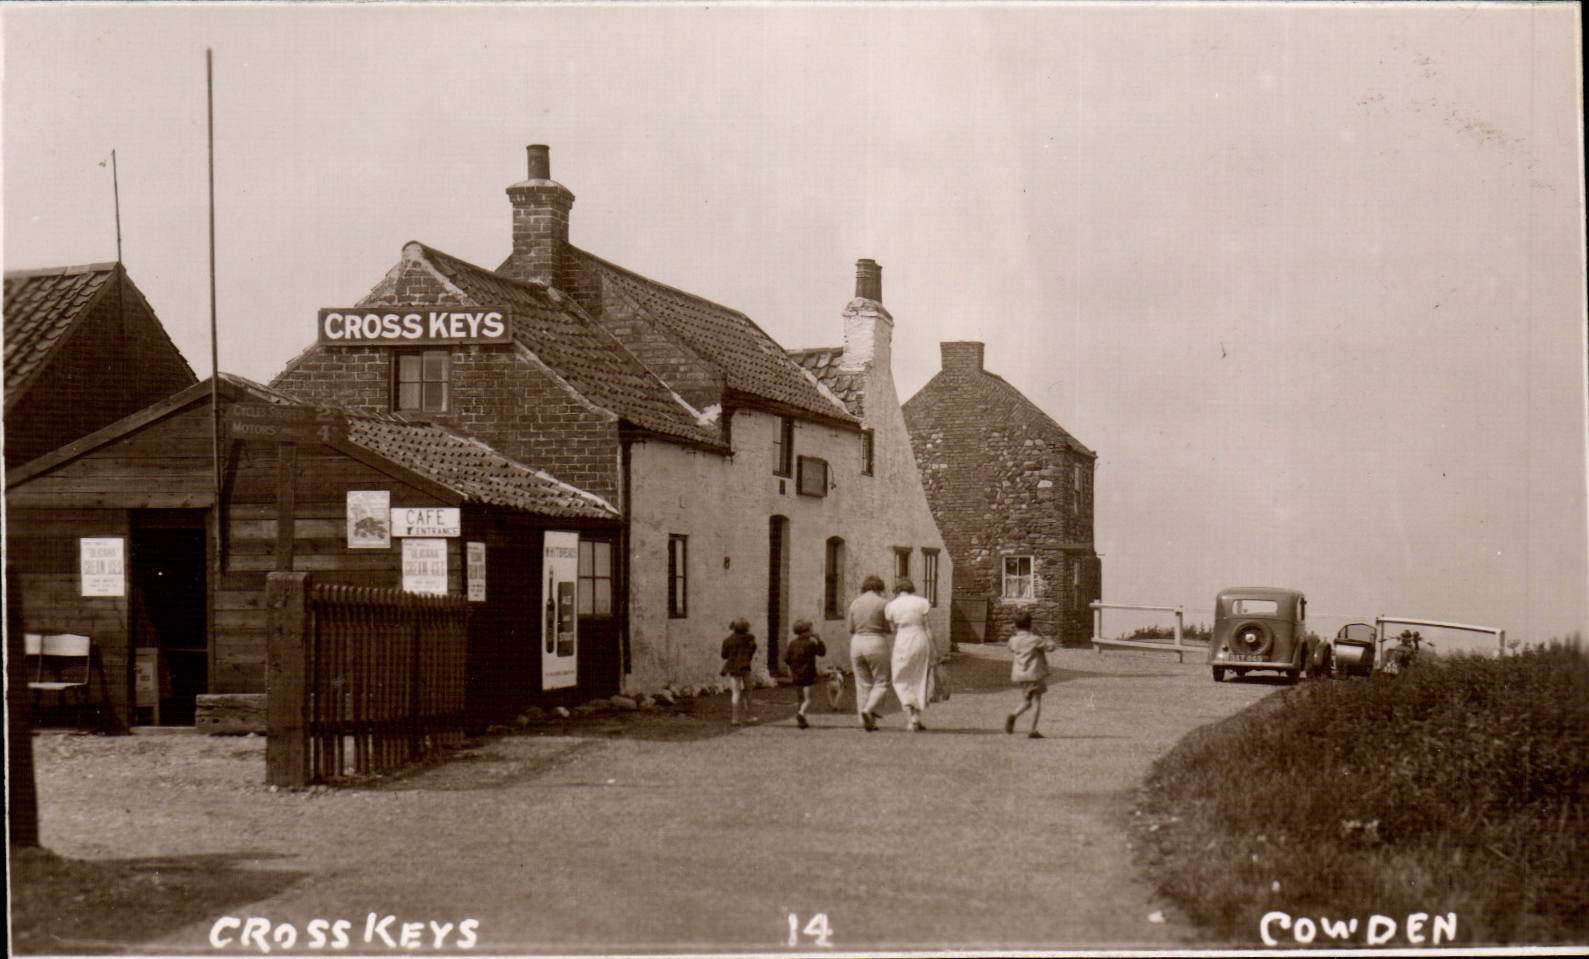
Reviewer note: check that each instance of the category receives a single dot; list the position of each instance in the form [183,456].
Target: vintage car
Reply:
[1352,651]
[1263,628]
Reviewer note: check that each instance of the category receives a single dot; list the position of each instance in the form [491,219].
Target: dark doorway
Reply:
[169,604]
[600,659]
[777,588]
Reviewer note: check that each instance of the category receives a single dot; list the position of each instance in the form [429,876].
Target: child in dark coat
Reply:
[738,650]
[802,659]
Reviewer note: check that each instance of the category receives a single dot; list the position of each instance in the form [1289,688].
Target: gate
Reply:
[361,681]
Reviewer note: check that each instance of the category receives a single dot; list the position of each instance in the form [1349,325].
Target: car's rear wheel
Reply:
[1219,674]
[1324,666]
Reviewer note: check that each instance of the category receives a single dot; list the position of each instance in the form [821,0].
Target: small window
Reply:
[1075,484]
[929,575]
[595,578]
[833,579]
[1018,578]
[421,381]
[678,576]
[813,478]
[783,448]
[868,451]
[902,562]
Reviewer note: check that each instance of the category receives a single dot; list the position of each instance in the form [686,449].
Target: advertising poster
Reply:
[475,555]
[369,519]
[425,566]
[103,563]
[559,622]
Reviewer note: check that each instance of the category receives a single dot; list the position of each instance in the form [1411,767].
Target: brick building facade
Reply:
[1013,493]
[748,487]
[83,348]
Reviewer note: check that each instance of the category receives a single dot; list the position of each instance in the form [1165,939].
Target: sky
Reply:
[1307,277]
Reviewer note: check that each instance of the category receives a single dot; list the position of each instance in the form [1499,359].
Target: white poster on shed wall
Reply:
[102,561]
[425,566]
[559,617]
[475,569]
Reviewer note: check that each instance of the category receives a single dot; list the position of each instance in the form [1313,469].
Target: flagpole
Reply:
[115,188]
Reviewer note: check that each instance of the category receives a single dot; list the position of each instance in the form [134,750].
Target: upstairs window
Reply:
[813,478]
[929,575]
[868,451]
[420,381]
[1018,578]
[783,448]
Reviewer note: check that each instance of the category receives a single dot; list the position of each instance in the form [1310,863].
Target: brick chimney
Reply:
[540,222]
[868,328]
[963,356]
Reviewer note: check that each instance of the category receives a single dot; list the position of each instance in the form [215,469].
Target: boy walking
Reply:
[802,659]
[1029,671]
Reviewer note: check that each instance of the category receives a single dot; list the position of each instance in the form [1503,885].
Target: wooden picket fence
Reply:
[361,681]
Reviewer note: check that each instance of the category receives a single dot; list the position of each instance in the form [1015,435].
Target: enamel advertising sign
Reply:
[413,326]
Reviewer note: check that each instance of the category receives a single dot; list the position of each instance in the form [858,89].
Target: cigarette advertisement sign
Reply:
[413,326]
[559,622]
[102,562]
[427,521]
[425,566]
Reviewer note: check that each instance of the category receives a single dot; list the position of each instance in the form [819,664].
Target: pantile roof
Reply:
[41,308]
[752,363]
[823,362]
[588,357]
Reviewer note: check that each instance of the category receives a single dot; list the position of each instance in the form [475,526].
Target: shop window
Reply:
[833,580]
[421,381]
[902,562]
[929,575]
[868,451]
[783,448]
[678,576]
[595,577]
[1018,578]
[813,478]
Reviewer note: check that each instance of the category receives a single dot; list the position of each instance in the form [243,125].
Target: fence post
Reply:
[1180,646]
[286,752]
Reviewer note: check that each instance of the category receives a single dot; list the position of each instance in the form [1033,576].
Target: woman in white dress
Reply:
[913,650]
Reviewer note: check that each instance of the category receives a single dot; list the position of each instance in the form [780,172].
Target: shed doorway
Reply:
[169,605]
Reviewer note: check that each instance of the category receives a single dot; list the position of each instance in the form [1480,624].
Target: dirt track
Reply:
[647,832]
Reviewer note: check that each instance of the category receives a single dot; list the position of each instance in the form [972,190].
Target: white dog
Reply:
[836,681]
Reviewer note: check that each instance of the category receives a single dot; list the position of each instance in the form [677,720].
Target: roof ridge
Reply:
[100,267]
[670,288]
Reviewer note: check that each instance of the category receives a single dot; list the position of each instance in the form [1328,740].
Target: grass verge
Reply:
[1459,787]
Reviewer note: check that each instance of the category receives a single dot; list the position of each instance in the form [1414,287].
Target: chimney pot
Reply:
[540,161]
[961,355]
[868,280]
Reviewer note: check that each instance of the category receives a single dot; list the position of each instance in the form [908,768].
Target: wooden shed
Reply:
[121,536]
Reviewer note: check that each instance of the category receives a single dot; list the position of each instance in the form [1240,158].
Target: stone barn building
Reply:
[83,348]
[1013,494]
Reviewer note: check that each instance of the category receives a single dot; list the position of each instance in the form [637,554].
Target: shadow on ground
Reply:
[82,907]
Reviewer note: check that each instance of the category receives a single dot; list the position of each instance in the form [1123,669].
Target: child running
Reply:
[739,648]
[1029,670]
[802,659]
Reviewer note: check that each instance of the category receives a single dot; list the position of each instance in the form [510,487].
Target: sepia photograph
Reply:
[833,478]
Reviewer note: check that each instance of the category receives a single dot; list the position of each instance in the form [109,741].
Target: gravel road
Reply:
[653,832]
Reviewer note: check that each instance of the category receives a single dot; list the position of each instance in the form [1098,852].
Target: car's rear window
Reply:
[1254,607]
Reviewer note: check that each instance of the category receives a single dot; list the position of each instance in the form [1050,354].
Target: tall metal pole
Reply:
[115,188]
[215,363]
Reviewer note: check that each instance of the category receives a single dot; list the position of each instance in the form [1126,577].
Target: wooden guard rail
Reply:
[361,681]
[1178,646]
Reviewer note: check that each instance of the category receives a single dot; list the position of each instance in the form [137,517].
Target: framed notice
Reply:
[369,519]
[425,566]
[102,562]
[475,570]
